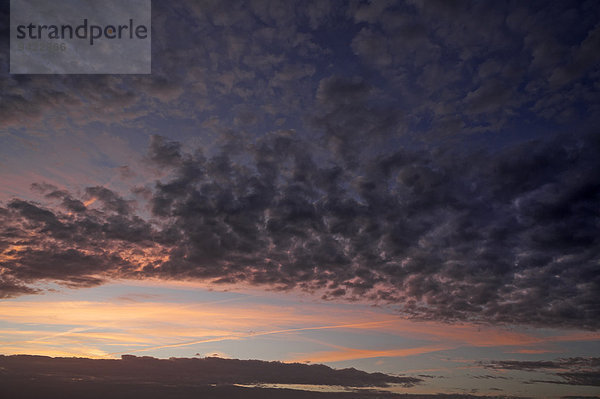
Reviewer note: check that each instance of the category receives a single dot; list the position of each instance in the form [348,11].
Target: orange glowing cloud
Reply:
[352,354]
[90,201]
[533,351]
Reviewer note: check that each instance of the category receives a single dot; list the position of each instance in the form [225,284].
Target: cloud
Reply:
[572,371]
[366,200]
[352,117]
[351,354]
[273,56]
[164,152]
[32,376]
[579,397]
[429,50]
[505,237]
[196,372]
[76,246]
[10,288]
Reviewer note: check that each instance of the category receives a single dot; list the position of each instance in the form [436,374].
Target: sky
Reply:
[406,187]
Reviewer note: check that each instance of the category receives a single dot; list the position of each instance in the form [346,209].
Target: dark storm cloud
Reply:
[572,371]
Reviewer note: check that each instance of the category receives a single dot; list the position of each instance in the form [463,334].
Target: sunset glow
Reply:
[355,198]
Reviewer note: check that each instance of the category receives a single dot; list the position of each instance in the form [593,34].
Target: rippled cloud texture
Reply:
[504,237]
[438,157]
[409,187]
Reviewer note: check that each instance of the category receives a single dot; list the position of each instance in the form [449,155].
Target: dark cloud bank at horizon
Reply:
[36,376]
[27,376]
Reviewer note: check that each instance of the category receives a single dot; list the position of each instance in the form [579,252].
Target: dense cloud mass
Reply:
[449,67]
[34,376]
[446,164]
[510,236]
[196,371]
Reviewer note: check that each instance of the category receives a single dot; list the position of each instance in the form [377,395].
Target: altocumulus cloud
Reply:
[379,195]
[505,236]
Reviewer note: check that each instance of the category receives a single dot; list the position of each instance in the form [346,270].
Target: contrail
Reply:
[252,334]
